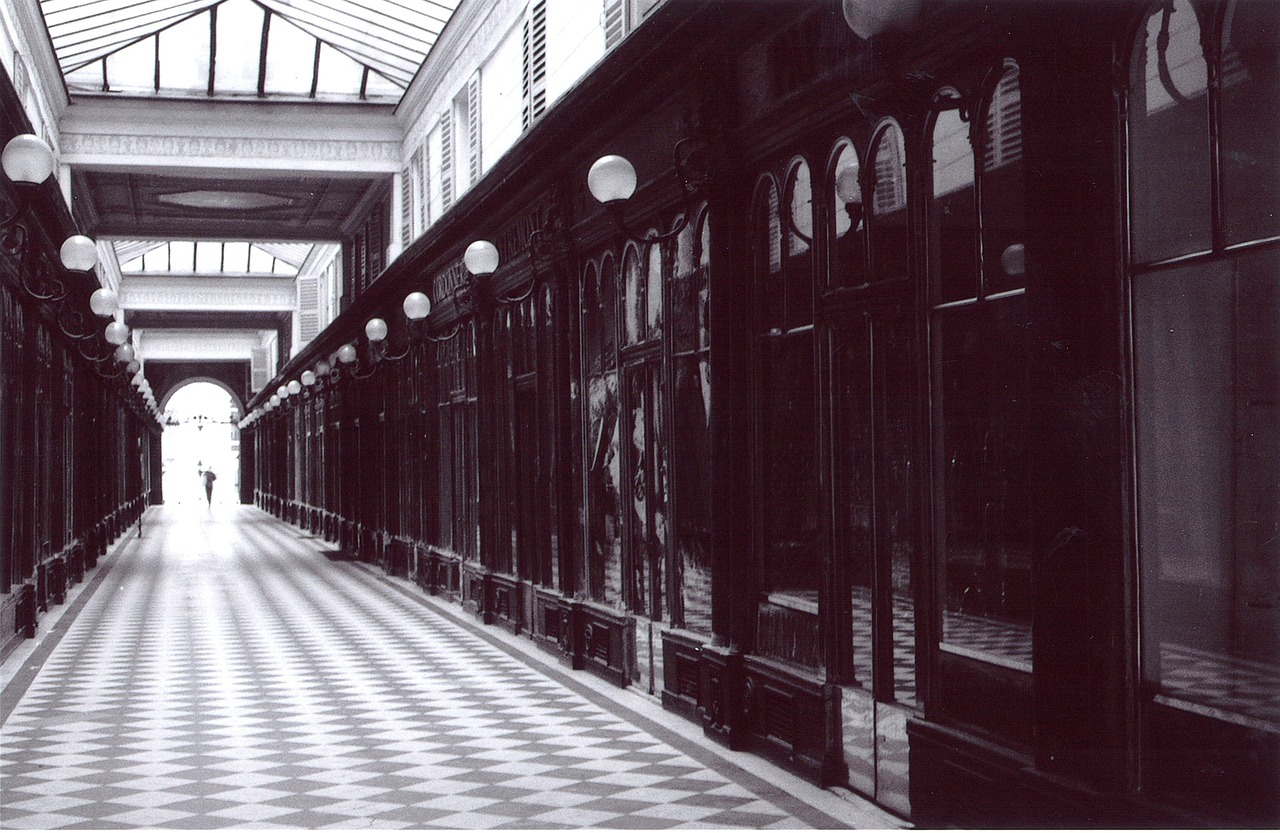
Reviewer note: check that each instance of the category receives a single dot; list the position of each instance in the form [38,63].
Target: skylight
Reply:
[362,50]
[210,257]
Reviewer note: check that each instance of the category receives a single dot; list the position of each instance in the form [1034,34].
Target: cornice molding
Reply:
[162,345]
[298,154]
[206,294]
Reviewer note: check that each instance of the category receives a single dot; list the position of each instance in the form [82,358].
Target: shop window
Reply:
[1207,422]
[458,467]
[604,467]
[790,552]
[980,361]
[691,426]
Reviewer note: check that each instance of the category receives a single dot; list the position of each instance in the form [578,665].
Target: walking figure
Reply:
[209,477]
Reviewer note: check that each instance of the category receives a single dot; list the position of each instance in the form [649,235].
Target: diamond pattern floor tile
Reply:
[226,674]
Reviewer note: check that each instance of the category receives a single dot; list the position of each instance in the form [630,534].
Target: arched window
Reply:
[847,233]
[980,357]
[889,242]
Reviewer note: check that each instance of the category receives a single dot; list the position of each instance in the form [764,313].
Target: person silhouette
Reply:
[209,477]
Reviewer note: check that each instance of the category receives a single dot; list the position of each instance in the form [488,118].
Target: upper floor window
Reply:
[1200,76]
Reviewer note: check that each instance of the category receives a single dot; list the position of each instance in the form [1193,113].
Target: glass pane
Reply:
[789,510]
[290,58]
[953,222]
[691,476]
[603,479]
[848,255]
[339,75]
[1169,137]
[632,298]
[981,377]
[889,244]
[769,284]
[853,447]
[184,56]
[894,489]
[801,199]
[653,294]
[1207,345]
[208,256]
[1250,113]
[239,42]
[1004,217]
[798,269]
[638,489]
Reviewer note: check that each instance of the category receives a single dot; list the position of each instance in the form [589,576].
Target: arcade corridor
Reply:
[227,669]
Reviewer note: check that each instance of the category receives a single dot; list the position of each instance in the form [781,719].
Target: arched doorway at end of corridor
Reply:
[201,444]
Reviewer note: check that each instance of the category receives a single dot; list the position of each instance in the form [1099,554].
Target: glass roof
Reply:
[309,49]
[210,257]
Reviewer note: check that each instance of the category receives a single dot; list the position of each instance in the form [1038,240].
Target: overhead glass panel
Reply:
[235,257]
[290,58]
[239,45]
[208,257]
[338,75]
[133,69]
[184,55]
[260,261]
[182,256]
[367,50]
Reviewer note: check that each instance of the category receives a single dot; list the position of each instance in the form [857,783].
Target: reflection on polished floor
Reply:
[222,671]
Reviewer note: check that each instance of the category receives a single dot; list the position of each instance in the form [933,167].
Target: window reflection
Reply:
[1168,130]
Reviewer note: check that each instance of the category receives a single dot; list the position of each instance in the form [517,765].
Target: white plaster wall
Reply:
[500,96]
[575,42]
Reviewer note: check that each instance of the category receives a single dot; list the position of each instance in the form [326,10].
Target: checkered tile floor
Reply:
[226,673]
[1226,684]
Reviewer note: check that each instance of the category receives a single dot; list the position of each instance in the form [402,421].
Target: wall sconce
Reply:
[28,161]
[612,181]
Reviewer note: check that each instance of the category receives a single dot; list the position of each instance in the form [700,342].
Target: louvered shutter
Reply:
[534,80]
[424,165]
[406,205]
[1004,125]
[473,128]
[259,372]
[308,309]
[613,22]
[446,160]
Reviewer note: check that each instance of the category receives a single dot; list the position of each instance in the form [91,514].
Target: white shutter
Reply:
[534,81]
[1004,124]
[259,372]
[473,128]
[446,160]
[424,165]
[406,206]
[614,22]
[308,309]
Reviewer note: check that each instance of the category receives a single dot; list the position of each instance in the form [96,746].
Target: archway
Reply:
[201,434]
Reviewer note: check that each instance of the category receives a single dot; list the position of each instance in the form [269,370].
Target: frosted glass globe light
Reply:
[104,302]
[308,378]
[27,158]
[417,306]
[79,253]
[375,329]
[116,333]
[848,189]
[323,368]
[612,179]
[124,353]
[481,258]
[347,354]
[295,387]
[134,366]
